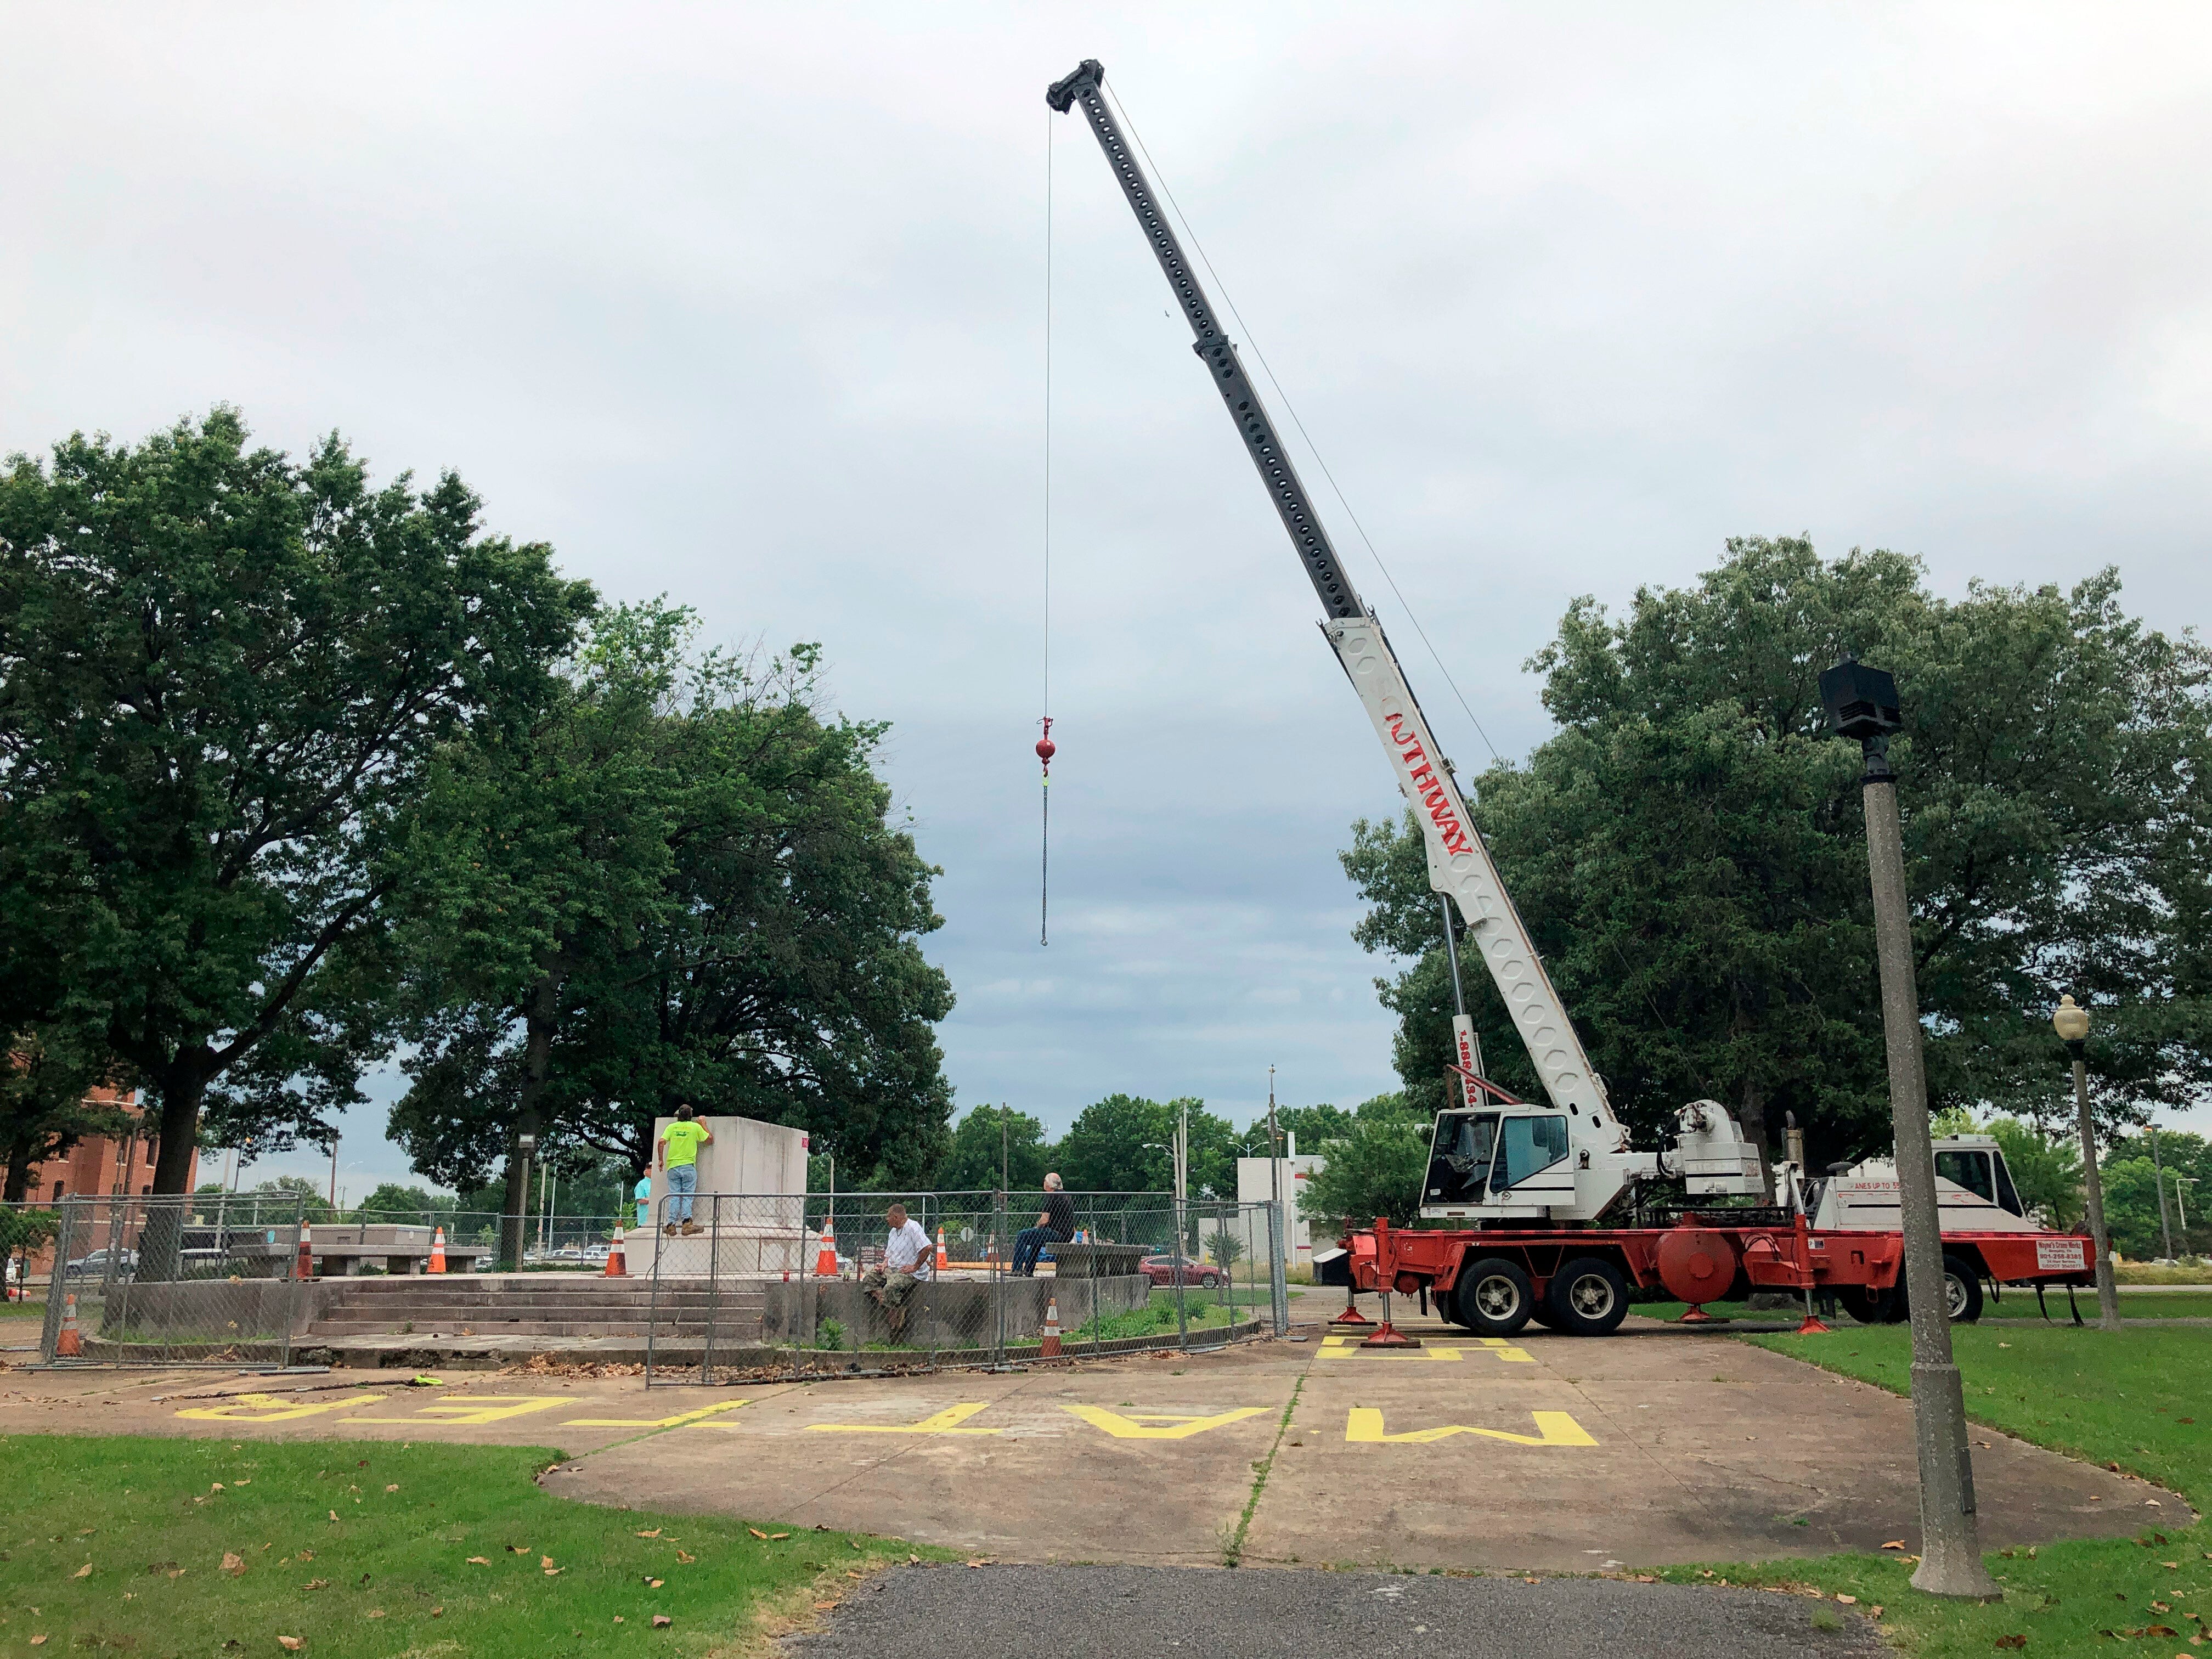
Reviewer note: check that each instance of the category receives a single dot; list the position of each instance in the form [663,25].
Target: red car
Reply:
[1162,1271]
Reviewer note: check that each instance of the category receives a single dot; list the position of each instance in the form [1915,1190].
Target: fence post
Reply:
[999,1277]
[714,1287]
[653,1296]
[56,1281]
[1182,1317]
[1278,1278]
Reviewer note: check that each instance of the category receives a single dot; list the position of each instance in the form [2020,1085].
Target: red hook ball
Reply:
[1045,749]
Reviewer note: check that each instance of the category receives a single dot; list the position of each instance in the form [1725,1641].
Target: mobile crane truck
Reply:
[1554,1202]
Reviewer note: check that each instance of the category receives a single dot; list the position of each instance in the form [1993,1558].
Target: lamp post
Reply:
[2071,1021]
[2158,1175]
[1861,702]
[510,1225]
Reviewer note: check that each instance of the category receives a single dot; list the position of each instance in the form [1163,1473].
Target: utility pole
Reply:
[1861,702]
[1006,1145]
[2071,1022]
[2158,1175]
[334,1170]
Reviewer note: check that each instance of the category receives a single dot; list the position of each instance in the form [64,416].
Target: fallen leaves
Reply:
[233,1564]
[544,1560]
[2016,1641]
[38,1641]
[654,1584]
[1895,1544]
[756,1532]
[1848,1601]
[307,1555]
[392,1489]
[656,1532]
[316,1584]
[85,1572]
[552,1572]
[374,1613]
[661,1621]
[334,1515]
[772,1536]
[1874,1612]
[825,1607]
[479,1560]
[686,1557]
[290,1643]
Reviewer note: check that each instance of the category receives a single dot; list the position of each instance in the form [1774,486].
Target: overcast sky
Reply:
[745,305]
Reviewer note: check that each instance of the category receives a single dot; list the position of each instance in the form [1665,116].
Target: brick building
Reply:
[100,1166]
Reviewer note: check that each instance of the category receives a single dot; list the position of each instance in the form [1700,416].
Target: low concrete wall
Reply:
[214,1311]
[950,1313]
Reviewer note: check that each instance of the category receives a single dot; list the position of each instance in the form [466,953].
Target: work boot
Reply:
[690,1228]
[669,1229]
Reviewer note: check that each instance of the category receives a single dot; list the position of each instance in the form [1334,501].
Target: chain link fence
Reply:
[170,1281]
[750,1286]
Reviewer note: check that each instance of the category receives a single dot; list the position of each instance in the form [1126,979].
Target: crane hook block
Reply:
[1046,748]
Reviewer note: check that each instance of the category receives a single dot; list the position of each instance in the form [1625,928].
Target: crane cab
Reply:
[1974,1192]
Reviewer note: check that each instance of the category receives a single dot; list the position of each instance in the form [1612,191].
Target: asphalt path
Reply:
[1127,1612]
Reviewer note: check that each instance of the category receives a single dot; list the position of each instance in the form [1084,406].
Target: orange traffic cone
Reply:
[437,1250]
[1050,1350]
[825,1259]
[617,1267]
[69,1345]
[306,1266]
[943,1261]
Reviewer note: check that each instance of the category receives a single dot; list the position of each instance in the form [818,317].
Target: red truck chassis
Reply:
[1495,1279]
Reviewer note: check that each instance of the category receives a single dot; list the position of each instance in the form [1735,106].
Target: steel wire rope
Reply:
[1044,792]
[1291,409]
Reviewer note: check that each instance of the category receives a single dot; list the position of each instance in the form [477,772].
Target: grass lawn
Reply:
[366,1550]
[23,1310]
[2140,1399]
[2017,1305]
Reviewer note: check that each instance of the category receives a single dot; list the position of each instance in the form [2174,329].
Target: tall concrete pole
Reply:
[2157,1174]
[2071,1022]
[1862,703]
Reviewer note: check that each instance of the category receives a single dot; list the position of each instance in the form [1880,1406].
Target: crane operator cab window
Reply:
[1984,1175]
[1527,1145]
[1460,1157]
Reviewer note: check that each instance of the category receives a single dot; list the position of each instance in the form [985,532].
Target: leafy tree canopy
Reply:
[43,1109]
[1689,850]
[225,673]
[973,1163]
[1116,1145]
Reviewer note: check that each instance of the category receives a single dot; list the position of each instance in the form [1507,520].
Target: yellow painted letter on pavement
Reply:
[1134,1426]
[468,1410]
[273,1408]
[1345,1347]
[680,1419]
[947,1421]
[1504,1350]
[1364,1426]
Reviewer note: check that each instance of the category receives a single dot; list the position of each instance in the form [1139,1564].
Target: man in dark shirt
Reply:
[1055,1225]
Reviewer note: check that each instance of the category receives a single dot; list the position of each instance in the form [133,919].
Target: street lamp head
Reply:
[2070,1020]
[526,1143]
[1861,701]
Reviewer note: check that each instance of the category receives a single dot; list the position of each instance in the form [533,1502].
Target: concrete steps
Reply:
[532,1306]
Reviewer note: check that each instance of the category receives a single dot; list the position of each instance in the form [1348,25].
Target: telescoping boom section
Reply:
[1497,1163]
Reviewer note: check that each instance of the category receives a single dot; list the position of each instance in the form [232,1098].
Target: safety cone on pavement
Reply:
[617,1266]
[306,1266]
[69,1345]
[943,1261]
[1050,1350]
[437,1250]
[825,1259]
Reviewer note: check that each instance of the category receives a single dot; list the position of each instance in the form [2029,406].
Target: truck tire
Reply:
[1868,1307]
[1492,1297]
[1589,1297]
[1962,1290]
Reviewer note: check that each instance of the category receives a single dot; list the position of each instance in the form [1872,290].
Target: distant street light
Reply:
[1861,702]
[2158,1175]
[2071,1021]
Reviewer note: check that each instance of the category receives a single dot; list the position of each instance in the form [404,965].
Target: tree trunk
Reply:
[182,1086]
[539,1017]
[19,1173]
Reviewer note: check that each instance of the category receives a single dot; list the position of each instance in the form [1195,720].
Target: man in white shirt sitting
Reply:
[909,1259]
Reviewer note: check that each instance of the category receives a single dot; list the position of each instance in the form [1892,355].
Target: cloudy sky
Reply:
[745,305]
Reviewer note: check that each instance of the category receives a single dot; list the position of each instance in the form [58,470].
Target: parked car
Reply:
[1161,1269]
[95,1266]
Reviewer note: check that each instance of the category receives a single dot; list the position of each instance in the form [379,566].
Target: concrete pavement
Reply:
[1553,1453]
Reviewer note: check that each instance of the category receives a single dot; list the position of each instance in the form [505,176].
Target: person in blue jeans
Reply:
[1055,1225]
[679,1155]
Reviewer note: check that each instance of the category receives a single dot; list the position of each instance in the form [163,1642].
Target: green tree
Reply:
[1117,1145]
[974,1163]
[1224,1247]
[44,1111]
[1375,1171]
[227,673]
[1689,852]
[315,1207]
[541,850]
[406,1205]
[1312,1125]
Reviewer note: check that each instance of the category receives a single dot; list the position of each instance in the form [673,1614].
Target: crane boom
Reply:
[1459,863]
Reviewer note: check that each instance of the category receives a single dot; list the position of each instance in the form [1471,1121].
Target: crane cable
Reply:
[1290,409]
[1045,746]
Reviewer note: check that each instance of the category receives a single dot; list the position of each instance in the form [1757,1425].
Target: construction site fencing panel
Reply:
[748,1288]
[139,1281]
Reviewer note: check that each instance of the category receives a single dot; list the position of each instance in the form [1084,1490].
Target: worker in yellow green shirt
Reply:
[678,1152]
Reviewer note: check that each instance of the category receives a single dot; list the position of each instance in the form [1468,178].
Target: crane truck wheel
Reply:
[1962,1290]
[1493,1297]
[1589,1297]
[1868,1307]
